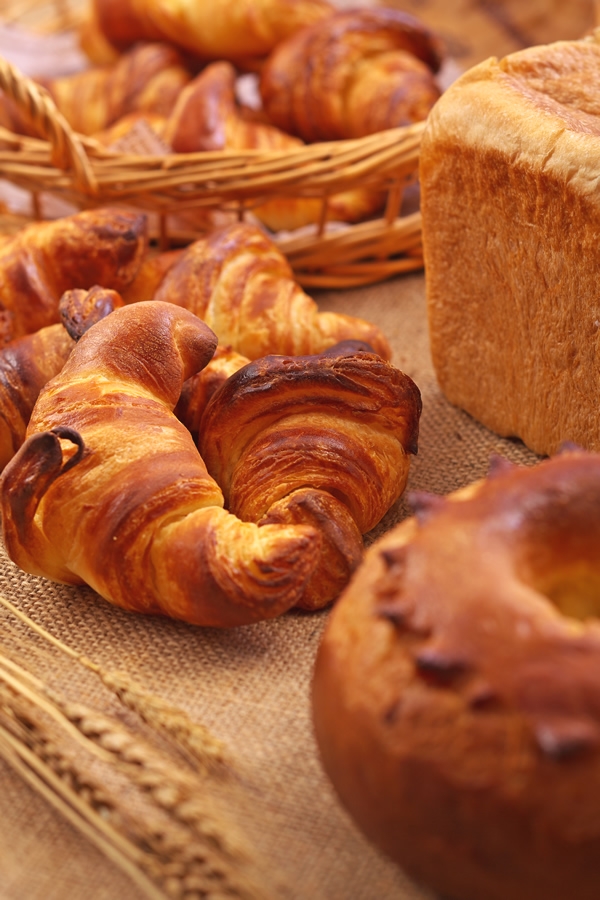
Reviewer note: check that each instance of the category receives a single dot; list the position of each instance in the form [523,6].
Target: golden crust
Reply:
[41,262]
[29,362]
[459,676]
[355,73]
[197,390]
[109,489]
[147,78]
[207,116]
[509,172]
[323,439]
[243,287]
[223,29]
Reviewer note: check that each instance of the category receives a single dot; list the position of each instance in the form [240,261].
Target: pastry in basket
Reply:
[147,79]
[456,692]
[243,287]
[29,362]
[109,488]
[323,440]
[355,73]
[510,166]
[236,30]
[37,265]
[207,116]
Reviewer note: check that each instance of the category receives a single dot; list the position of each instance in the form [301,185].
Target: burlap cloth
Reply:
[250,686]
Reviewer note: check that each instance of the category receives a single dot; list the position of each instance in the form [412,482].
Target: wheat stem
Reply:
[193,738]
[47,784]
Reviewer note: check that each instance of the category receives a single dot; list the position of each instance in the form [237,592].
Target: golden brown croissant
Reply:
[149,276]
[324,439]
[197,390]
[357,72]
[29,362]
[211,29]
[147,78]
[109,488]
[243,287]
[207,116]
[45,259]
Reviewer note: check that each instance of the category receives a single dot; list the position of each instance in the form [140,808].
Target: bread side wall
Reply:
[513,294]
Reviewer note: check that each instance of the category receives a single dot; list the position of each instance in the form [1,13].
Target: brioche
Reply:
[37,265]
[355,73]
[511,215]
[109,489]
[29,362]
[323,440]
[456,693]
[243,287]
[214,29]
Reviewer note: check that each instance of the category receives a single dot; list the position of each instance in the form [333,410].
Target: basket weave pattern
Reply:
[78,169]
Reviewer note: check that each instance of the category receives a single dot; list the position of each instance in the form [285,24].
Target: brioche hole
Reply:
[575,592]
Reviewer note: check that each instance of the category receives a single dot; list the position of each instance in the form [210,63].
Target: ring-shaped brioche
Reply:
[456,691]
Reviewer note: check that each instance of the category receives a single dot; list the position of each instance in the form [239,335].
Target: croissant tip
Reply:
[424,505]
[498,465]
[569,447]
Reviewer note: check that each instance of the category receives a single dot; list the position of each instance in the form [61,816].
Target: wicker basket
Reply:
[81,171]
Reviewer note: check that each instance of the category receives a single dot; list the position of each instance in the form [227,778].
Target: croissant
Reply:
[45,259]
[211,29]
[110,490]
[243,287]
[198,390]
[355,73]
[147,78]
[323,440]
[29,362]
[207,116]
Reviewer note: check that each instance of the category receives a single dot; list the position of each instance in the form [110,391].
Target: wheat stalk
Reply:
[174,839]
[193,738]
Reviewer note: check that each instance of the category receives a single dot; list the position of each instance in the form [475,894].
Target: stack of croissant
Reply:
[186,432]
[170,70]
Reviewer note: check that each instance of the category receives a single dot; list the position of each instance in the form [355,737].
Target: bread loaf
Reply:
[510,166]
[455,695]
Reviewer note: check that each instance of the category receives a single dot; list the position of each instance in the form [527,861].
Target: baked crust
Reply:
[225,29]
[323,440]
[357,72]
[238,281]
[456,699]
[110,490]
[511,217]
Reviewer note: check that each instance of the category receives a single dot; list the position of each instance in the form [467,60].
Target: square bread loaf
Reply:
[510,192]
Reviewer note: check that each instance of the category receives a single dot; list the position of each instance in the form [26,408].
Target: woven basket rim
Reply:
[84,172]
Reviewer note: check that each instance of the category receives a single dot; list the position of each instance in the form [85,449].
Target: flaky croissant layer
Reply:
[238,281]
[98,246]
[109,488]
[211,29]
